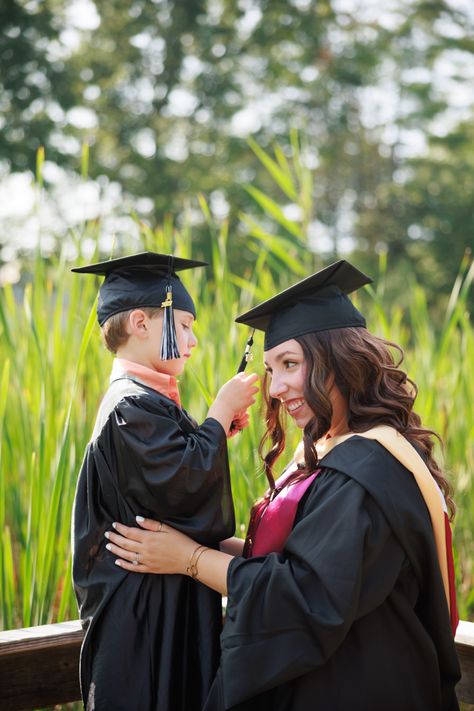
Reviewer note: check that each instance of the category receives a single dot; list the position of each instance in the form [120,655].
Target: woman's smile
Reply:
[293,406]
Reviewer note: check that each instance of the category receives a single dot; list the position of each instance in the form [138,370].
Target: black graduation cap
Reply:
[317,303]
[147,279]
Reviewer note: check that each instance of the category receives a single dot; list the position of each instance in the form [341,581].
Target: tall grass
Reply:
[54,370]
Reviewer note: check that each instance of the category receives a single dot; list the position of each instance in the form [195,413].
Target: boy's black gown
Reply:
[352,614]
[151,641]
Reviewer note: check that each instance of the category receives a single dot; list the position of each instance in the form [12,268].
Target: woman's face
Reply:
[287,369]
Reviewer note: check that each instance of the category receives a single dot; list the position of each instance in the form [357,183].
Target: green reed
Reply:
[54,370]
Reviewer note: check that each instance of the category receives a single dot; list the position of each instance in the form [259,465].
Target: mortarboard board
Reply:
[317,303]
[147,279]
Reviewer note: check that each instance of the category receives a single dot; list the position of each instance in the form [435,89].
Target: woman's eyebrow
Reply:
[282,355]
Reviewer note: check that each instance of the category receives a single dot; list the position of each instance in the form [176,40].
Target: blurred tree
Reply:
[426,217]
[165,91]
[35,88]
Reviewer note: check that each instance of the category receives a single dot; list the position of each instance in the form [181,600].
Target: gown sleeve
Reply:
[170,469]
[288,613]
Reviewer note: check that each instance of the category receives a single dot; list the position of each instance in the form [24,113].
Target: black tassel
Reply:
[169,345]
[247,355]
[243,364]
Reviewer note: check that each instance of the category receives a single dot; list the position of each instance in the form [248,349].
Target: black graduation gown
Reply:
[352,614]
[151,641]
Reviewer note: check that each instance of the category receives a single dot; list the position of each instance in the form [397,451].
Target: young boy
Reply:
[151,642]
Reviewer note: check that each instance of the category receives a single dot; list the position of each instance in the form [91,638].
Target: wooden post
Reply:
[465,651]
[39,666]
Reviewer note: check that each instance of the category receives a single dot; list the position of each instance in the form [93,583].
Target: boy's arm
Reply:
[169,470]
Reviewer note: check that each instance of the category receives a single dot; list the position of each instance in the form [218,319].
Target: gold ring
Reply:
[136,558]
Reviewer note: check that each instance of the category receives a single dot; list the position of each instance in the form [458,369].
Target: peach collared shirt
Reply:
[161,382]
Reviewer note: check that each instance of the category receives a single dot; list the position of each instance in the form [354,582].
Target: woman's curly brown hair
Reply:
[377,391]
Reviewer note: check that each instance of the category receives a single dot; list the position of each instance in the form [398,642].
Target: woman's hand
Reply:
[158,548]
[152,548]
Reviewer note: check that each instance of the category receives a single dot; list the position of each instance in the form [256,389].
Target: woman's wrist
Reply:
[192,566]
[207,565]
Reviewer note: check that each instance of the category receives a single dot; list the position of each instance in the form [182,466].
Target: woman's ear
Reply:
[138,324]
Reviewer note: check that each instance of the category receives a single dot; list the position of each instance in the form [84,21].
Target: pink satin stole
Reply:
[272,522]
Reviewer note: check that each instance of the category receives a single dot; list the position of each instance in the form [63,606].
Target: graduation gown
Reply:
[352,614]
[151,641]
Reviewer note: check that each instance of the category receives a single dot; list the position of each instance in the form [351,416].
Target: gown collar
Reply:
[403,450]
[161,382]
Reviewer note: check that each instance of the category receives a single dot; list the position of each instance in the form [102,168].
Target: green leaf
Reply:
[271,207]
[280,171]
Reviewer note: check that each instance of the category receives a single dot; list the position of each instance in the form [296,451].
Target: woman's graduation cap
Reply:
[317,303]
[147,279]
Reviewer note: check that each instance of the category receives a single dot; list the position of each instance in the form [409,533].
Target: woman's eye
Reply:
[290,363]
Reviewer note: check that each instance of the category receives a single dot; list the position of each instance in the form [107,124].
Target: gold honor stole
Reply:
[407,455]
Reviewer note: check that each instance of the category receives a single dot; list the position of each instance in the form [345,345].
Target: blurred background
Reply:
[269,137]
[166,94]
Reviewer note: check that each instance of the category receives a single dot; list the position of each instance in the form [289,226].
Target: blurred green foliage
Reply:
[169,89]
[55,369]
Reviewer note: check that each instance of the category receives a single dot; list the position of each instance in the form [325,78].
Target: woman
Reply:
[343,595]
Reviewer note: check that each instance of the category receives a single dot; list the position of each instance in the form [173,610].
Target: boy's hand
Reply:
[239,392]
[239,423]
[233,398]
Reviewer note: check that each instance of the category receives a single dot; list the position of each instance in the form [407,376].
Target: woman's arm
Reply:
[233,546]
[158,548]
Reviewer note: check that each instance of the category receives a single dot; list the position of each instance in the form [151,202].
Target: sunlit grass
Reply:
[54,371]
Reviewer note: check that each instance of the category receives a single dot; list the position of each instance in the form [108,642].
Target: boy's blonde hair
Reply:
[114,330]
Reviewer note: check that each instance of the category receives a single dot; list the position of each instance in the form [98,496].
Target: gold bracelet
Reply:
[193,561]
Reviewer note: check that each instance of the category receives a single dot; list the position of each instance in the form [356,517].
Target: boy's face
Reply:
[185,337]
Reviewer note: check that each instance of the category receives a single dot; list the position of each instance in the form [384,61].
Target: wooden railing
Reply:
[39,665]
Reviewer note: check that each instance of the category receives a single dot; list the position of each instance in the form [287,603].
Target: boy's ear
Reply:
[137,323]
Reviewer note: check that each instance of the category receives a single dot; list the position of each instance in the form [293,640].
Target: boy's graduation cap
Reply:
[147,279]
[317,303]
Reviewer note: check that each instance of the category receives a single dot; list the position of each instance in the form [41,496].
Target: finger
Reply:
[241,421]
[134,534]
[122,552]
[125,543]
[140,568]
[149,524]
[250,377]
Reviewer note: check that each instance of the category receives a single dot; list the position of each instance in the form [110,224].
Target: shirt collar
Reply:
[161,382]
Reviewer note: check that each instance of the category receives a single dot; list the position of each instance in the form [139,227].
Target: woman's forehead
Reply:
[290,347]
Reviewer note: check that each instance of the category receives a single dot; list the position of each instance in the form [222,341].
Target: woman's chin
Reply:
[301,420]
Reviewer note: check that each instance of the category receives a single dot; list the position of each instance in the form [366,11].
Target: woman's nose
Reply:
[277,387]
